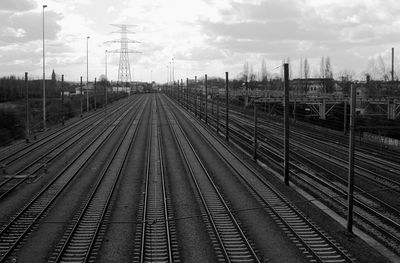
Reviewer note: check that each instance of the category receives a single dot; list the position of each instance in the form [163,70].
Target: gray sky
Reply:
[203,36]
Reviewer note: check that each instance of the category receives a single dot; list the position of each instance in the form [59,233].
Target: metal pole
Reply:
[187,93]
[345,118]
[195,96]
[206,87]
[95,94]
[227,106]
[173,70]
[391,86]
[182,95]
[44,78]
[27,135]
[255,133]
[217,115]
[81,97]
[350,189]
[62,99]
[286,124]
[179,91]
[87,74]
[105,87]
[392,64]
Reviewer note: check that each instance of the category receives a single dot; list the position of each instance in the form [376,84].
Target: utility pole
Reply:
[195,96]
[217,116]
[44,78]
[345,118]
[286,123]
[62,100]
[227,106]
[95,94]
[173,70]
[392,64]
[187,94]
[206,87]
[105,86]
[27,134]
[255,133]
[81,97]
[350,189]
[182,94]
[87,74]
[391,89]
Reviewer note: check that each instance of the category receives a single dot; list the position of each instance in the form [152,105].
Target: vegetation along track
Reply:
[16,152]
[31,170]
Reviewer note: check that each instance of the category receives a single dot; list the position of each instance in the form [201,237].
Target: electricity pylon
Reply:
[124,69]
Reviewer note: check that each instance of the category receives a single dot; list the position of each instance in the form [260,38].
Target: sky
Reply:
[201,36]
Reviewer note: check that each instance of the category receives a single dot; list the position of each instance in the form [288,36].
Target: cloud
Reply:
[17,5]
[274,30]
[27,26]
[264,10]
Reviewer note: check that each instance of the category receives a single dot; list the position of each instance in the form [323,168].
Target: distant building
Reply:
[312,87]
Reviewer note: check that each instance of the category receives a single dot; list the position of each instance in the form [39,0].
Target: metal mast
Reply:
[124,69]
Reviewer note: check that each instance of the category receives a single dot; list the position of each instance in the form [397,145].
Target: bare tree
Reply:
[246,72]
[322,68]
[306,69]
[301,71]
[383,72]
[371,69]
[328,68]
[251,76]
[263,71]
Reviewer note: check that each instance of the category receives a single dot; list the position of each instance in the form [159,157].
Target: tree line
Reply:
[13,88]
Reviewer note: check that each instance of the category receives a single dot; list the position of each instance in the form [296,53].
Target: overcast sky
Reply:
[203,36]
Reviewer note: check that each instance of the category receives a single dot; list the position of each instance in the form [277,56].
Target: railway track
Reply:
[77,245]
[155,240]
[385,180]
[12,154]
[24,221]
[315,244]
[229,240]
[333,145]
[30,171]
[375,216]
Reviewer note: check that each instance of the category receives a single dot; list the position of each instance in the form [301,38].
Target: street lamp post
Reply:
[87,74]
[44,79]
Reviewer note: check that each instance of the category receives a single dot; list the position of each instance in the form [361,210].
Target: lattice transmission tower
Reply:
[124,69]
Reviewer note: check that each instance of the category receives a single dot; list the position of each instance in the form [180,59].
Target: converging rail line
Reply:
[315,244]
[20,225]
[233,245]
[79,241]
[38,164]
[156,235]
